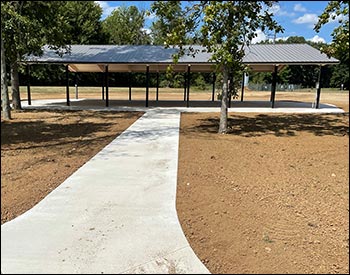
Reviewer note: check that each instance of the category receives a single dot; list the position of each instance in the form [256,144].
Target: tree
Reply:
[27,26]
[225,28]
[84,25]
[125,26]
[339,47]
[5,103]
[340,43]
[164,25]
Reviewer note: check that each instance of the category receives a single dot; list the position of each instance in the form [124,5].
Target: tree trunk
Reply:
[223,114]
[5,102]
[16,100]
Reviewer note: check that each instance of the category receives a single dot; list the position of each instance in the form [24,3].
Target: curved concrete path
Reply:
[116,214]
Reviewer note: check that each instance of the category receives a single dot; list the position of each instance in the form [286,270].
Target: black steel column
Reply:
[129,80]
[103,86]
[242,91]
[230,88]
[147,84]
[157,88]
[318,90]
[273,86]
[188,85]
[213,91]
[28,85]
[107,83]
[185,86]
[76,85]
[67,86]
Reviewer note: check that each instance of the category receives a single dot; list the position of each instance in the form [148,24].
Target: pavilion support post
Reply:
[185,86]
[76,85]
[129,80]
[188,86]
[107,84]
[103,86]
[28,85]
[242,91]
[318,88]
[213,90]
[67,86]
[147,85]
[273,86]
[157,87]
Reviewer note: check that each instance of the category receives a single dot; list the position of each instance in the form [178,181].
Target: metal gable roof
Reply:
[149,54]
[285,54]
[105,54]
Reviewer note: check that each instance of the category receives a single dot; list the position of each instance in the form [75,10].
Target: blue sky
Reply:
[297,18]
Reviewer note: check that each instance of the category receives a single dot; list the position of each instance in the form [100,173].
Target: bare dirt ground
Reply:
[40,149]
[272,196]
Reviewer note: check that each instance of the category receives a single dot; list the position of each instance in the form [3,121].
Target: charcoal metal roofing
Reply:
[148,54]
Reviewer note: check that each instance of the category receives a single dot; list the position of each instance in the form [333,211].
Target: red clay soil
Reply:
[272,196]
[40,149]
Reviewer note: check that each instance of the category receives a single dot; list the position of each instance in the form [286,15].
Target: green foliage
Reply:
[125,26]
[340,75]
[222,27]
[339,47]
[27,26]
[84,25]
[199,82]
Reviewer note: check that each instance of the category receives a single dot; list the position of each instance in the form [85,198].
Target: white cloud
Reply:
[106,8]
[299,8]
[308,18]
[278,11]
[260,37]
[317,39]
[280,38]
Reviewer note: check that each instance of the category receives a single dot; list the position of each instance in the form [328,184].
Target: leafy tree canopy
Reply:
[83,22]
[27,26]
[339,47]
[125,26]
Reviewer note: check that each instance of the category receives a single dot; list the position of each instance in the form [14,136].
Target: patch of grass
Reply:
[267,239]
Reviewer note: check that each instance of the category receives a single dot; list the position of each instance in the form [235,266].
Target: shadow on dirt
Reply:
[82,125]
[279,125]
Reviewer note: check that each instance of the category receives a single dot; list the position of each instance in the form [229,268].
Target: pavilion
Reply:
[156,59]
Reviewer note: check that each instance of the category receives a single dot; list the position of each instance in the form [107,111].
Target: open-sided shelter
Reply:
[156,59]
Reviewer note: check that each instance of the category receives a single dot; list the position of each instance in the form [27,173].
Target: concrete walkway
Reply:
[116,214]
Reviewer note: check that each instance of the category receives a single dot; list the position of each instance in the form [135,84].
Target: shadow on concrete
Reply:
[96,103]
